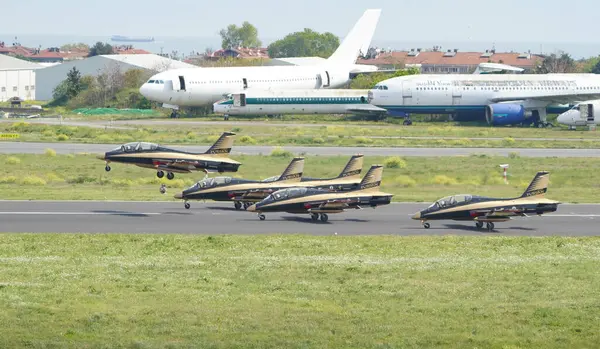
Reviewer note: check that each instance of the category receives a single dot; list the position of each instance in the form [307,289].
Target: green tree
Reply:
[368,81]
[307,43]
[596,68]
[76,46]
[100,48]
[73,83]
[561,63]
[245,36]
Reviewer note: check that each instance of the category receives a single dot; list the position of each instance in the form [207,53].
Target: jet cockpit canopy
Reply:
[212,182]
[137,146]
[288,193]
[450,201]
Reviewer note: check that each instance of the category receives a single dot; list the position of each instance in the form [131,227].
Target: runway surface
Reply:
[66,148]
[222,218]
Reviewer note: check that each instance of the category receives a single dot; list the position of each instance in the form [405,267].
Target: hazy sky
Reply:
[406,20]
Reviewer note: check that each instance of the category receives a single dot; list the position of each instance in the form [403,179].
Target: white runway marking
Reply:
[81,213]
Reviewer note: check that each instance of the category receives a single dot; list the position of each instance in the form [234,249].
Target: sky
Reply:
[431,21]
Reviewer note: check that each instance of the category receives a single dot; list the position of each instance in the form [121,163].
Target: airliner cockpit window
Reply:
[150,81]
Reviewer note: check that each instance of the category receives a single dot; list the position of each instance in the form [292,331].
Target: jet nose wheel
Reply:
[261,217]
[426,225]
[107,168]
[160,174]
[186,205]
[170,175]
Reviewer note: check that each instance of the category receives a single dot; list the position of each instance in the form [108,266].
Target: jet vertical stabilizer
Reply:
[294,171]
[353,167]
[223,145]
[538,186]
[358,40]
[372,179]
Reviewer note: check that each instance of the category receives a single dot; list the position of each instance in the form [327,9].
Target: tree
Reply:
[368,81]
[78,46]
[73,83]
[561,63]
[307,43]
[245,36]
[596,68]
[100,48]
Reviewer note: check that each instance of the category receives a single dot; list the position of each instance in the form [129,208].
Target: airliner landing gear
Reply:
[479,225]
[160,174]
[170,175]
[237,205]
[490,226]
[225,117]
[174,114]
[186,205]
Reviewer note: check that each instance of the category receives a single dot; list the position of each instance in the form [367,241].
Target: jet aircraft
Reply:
[151,155]
[319,202]
[245,192]
[480,209]
[582,114]
[204,86]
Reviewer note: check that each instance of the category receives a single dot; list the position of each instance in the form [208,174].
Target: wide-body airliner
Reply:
[499,99]
[203,86]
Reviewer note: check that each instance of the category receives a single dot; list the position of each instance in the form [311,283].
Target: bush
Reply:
[444,180]
[394,162]
[33,180]
[513,155]
[50,152]
[318,140]
[279,152]
[8,180]
[405,181]
[13,160]
[508,141]
[52,177]
[363,140]
[247,140]
[62,137]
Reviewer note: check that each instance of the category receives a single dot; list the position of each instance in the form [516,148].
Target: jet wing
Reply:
[498,214]
[367,109]
[564,97]
[181,166]
[330,205]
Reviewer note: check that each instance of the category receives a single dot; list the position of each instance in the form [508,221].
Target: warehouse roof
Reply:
[12,63]
[149,61]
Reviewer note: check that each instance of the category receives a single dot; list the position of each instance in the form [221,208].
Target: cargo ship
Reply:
[122,38]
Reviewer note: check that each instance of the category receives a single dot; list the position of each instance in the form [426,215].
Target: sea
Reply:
[186,46]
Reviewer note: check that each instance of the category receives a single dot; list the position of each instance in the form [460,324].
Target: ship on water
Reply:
[122,38]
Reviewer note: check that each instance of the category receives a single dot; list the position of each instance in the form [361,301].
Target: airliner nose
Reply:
[145,90]
[566,117]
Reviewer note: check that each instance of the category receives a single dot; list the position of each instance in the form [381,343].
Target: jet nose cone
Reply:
[101,157]
[252,208]
[417,215]
[178,196]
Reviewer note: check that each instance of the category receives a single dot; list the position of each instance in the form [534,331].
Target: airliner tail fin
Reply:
[358,40]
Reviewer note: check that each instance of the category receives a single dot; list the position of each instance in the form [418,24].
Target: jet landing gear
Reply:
[186,204]
[161,174]
[237,205]
[426,225]
[315,217]
[107,167]
[489,226]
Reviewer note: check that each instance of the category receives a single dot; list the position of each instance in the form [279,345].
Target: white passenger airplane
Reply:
[573,117]
[499,99]
[202,86]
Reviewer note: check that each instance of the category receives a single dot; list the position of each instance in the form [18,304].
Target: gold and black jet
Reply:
[168,160]
[486,210]
[319,202]
[244,192]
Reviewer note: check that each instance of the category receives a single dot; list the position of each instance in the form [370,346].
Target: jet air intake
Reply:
[504,114]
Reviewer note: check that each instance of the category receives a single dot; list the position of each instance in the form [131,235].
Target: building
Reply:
[48,78]
[453,61]
[240,52]
[17,78]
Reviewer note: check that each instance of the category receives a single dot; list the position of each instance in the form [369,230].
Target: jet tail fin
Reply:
[223,145]
[293,172]
[358,40]
[353,167]
[538,186]
[372,179]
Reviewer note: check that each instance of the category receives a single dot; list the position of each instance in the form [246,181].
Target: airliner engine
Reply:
[505,114]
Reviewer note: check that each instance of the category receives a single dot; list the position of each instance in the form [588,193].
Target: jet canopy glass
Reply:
[137,146]
[212,182]
[288,193]
[450,201]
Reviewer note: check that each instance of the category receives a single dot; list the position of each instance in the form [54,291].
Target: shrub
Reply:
[11,160]
[62,137]
[513,155]
[33,180]
[236,130]
[405,181]
[444,180]
[247,140]
[50,152]
[363,140]
[394,162]
[7,180]
[318,140]
[279,152]
[508,141]
[52,177]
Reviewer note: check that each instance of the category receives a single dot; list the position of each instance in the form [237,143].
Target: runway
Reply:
[68,148]
[222,218]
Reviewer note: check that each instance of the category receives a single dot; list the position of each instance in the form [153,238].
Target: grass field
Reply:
[159,291]
[325,135]
[82,177]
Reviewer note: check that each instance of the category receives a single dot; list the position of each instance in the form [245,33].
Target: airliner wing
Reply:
[553,97]
[367,109]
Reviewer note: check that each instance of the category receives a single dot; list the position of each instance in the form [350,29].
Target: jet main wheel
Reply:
[170,175]
[261,217]
[314,216]
[490,226]
[426,225]
[237,205]
[246,205]
[107,168]
[160,174]
[479,225]
[324,217]
[187,205]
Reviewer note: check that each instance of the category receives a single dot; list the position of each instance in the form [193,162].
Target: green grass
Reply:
[325,135]
[82,177]
[172,291]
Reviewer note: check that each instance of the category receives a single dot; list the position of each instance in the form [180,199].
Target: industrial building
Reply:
[48,78]
[17,78]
